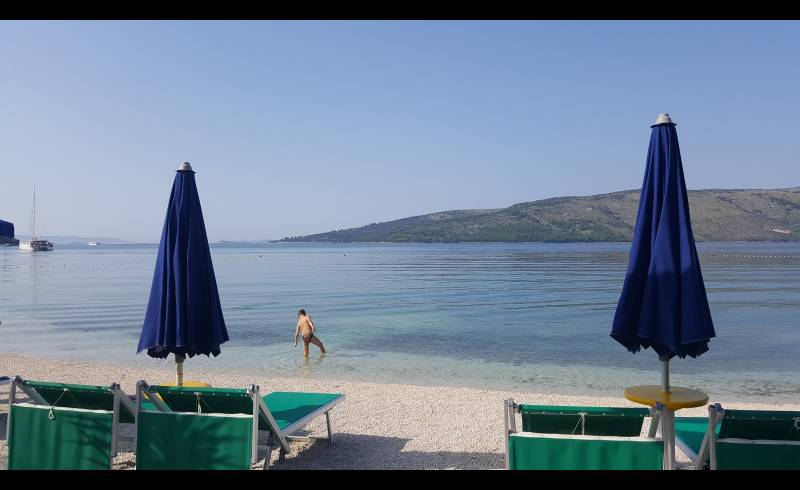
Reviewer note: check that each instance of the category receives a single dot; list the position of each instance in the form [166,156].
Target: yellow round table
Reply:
[190,384]
[676,398]
[186,384]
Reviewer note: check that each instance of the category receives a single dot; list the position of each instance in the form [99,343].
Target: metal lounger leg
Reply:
[505,428]
[280,438]
[12,398]
[714,412]
[268,456]
[664,421]
[702,453]
[510,425]
[12,394]
[153,397]
[30,392]
[115,422]
[654,422]
[255,395]
[330,433]
[512,410]
[138,409]
[668,436]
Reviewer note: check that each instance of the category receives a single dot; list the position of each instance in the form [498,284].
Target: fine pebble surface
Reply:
[377,426]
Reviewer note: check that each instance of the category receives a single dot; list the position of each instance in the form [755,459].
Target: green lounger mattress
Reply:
[287,408]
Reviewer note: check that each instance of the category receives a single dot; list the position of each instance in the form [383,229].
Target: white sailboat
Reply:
[35,244]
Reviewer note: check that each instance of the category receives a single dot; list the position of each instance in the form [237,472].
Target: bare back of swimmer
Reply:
[305,329]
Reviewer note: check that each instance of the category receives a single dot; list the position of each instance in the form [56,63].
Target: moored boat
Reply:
[35,244]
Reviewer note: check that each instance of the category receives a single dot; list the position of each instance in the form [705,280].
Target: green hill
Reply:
[717,215]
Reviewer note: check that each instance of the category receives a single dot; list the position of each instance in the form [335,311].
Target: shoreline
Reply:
[616,378]
[377,426]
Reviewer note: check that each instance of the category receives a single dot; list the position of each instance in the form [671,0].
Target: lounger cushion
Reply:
[289,407]
[286,407]
[67,439]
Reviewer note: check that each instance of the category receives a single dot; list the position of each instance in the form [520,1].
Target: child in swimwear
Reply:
[305,329]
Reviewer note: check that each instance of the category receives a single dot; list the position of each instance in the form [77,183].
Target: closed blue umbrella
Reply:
[184,315]
[663,304]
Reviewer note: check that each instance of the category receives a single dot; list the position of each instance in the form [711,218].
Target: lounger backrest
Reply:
[209,400]
[749,454]
[759,439]
[193,441]
[42,437]
[205,399]
[89,397]
[529,451]
[599,421]
[760,424]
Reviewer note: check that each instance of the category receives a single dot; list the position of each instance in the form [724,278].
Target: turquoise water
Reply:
[531,317]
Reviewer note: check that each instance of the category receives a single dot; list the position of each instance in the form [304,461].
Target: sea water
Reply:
[531,317]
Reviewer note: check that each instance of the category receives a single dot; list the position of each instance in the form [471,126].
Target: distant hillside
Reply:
[717,215]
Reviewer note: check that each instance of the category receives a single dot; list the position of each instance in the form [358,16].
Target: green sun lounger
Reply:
[65,426]
[743,439]
[579,438]
[217,428]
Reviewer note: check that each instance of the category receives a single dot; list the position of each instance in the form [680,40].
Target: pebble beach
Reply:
[376,426]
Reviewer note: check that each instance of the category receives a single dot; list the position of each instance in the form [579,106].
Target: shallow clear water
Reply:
[532,317]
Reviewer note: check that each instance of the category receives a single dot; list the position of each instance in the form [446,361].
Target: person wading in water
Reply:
[305,329]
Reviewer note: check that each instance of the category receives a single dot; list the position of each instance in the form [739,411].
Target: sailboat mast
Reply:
[33,213]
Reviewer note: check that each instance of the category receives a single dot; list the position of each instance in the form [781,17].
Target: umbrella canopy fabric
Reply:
[184,315]
[663,304]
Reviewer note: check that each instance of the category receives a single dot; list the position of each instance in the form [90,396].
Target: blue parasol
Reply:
[663,304]
[184,315]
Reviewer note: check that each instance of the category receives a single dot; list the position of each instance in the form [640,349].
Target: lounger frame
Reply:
[510,409]
[120,399]
[278,439]
[700,458]
[708,448]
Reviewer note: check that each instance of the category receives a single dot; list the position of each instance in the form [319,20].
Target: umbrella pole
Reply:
[664,373]
[667,419]
[179,367]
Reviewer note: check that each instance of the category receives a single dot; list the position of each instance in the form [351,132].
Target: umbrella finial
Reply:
[663,118]
[185,167]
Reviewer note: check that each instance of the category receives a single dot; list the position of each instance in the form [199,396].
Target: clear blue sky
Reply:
[303,127]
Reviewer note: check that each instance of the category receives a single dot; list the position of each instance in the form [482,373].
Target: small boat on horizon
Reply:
[35,244]
[94,244]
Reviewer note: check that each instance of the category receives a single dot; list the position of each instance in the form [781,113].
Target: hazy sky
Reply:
[303,127]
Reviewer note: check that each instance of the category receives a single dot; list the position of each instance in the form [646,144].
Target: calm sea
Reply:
[531,317]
